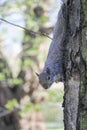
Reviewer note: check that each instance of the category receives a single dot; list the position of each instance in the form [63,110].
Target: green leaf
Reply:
[38,107]
[11,104]
[2,76]
[28,62]
[16,81]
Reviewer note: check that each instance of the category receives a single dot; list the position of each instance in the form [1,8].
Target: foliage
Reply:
[2,76]
[11,104]
[56,96]
[29,107]
[16,81]
[32,47]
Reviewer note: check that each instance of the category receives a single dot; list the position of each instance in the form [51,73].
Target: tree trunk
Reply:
[9,120]
[75,98]
[83,73]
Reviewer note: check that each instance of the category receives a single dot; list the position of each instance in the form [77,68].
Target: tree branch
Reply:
[28,31]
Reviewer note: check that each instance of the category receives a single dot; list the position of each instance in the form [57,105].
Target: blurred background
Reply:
[24,104]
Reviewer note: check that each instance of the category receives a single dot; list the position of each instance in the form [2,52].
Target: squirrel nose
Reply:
[45,86]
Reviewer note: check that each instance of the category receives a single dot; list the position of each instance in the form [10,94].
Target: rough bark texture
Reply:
[75,98]
[72,60]
[83,84]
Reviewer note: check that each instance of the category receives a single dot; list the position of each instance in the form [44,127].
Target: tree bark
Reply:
[83,71]
[75,55]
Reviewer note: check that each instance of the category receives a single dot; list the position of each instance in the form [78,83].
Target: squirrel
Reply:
[53,68]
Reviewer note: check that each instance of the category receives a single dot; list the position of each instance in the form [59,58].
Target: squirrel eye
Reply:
[48,77]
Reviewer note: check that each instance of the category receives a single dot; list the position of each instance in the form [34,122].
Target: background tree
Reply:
[8,120]
[22,92]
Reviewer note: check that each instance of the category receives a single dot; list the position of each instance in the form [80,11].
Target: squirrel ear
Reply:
[48,71]
[37,74]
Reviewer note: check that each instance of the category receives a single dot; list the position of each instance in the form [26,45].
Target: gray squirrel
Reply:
[53,68]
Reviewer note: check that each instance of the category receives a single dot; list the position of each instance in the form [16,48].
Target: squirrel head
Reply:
[45,78]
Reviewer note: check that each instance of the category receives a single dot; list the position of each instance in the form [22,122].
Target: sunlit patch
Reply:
[57,86]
